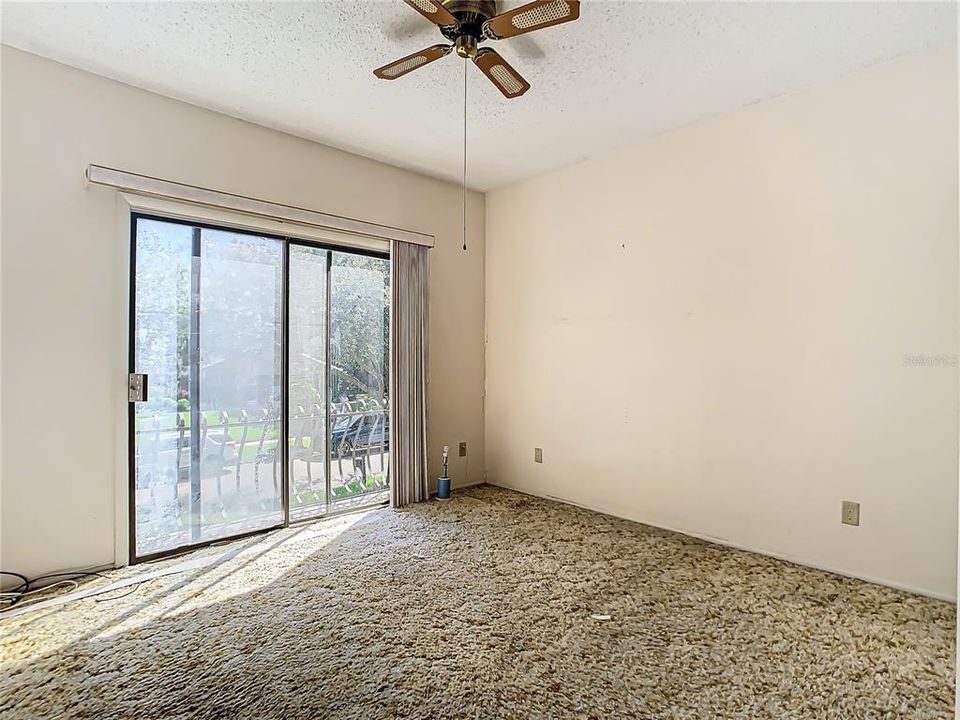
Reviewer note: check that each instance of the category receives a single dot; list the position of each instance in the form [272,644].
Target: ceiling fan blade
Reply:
[391,71]
[434,11]
[498,70]
[536,15]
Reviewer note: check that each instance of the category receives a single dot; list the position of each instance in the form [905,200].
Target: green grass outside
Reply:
[251,446]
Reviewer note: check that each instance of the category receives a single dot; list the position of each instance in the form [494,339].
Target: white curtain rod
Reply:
[155,187]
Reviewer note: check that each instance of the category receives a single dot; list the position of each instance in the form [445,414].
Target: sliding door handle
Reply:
[137,387]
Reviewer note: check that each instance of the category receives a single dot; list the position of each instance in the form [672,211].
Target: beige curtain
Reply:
[409,312]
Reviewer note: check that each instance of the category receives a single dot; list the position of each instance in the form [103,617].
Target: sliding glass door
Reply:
[244,340]
[359,377]
[308,405]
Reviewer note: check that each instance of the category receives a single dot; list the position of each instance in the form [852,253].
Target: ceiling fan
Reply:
[467,23]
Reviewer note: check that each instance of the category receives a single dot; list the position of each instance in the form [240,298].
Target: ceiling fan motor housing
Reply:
[471,14]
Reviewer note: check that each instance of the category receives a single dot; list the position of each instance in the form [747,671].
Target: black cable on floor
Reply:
[74,574]
[131,591]
[26,586]
[13,596]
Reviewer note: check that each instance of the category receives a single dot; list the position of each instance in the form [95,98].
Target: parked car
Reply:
[360,432]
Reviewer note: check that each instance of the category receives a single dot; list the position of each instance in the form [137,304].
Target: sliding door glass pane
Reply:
[207,332]
[359,359]
[240,383]
[161,325]
[307,337]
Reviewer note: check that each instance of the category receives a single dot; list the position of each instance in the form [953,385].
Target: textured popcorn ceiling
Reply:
[624,71]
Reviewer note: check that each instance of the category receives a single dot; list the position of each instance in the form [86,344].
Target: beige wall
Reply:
[705,331]
[65,269]
[708,331]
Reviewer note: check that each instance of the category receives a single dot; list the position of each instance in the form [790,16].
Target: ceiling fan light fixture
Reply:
[466,46]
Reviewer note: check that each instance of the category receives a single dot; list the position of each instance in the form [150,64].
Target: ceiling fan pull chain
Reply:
[465,155]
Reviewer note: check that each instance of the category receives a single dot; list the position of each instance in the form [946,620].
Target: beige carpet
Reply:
[481,608]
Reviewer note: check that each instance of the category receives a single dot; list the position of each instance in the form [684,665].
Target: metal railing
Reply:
[356,438]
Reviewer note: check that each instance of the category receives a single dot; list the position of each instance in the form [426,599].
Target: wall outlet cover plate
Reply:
[850,513]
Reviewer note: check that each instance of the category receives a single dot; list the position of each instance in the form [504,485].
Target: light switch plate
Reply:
[463,449]
[538,455]
[850,513]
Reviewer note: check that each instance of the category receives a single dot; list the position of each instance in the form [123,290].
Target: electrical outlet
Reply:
[463,449]
[538,455]
[850,513]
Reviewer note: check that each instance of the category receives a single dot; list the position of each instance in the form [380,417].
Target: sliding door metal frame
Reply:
[131,407]
[284,439]
[328,431]
[196,419]
[285,370]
